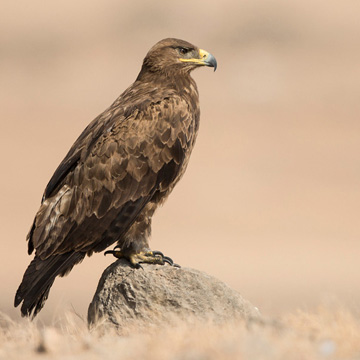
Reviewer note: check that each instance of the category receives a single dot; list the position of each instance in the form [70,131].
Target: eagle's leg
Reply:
[137,258]
[134,245]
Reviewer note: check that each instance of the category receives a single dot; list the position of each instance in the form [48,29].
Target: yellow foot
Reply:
[148,257]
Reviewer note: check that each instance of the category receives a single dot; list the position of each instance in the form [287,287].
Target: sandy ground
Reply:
[270,202]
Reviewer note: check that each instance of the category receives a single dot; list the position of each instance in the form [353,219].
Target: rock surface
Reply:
[155,295]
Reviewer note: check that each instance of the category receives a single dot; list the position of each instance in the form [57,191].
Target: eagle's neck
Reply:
[168,77]
[181,82]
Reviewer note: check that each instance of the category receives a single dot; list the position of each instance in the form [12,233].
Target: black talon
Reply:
[168,260]
[109,252]
[163,257]
[158,253]
[113,251]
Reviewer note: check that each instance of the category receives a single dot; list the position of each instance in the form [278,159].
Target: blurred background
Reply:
[270,203]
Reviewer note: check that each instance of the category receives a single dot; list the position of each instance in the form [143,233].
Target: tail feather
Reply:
[39,277]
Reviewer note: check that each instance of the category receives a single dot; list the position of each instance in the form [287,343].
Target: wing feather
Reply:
[85,141]
[113,174]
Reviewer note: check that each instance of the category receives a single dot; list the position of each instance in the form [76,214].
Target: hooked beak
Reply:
[208,59]
[205,59]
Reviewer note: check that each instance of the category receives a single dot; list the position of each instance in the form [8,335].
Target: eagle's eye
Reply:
[183,51]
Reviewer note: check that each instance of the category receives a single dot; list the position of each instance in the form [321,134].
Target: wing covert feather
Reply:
[124,167]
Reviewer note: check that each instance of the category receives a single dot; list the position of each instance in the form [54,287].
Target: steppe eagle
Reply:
[120,169]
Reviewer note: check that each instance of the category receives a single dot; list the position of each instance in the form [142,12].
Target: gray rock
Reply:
[155,295]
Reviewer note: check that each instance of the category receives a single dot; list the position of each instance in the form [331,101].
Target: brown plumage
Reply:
[123,165]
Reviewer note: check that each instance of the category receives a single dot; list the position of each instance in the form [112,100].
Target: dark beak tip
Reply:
[211,61]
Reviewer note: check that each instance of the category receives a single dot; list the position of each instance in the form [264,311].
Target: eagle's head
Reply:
[174,56]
